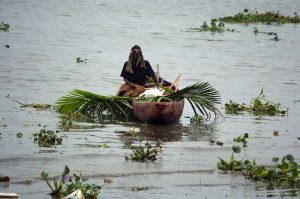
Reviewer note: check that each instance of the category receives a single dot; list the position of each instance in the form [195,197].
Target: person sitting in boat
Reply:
[135,72]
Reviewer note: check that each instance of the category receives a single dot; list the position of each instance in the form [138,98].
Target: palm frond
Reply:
[202,95]
[92,104]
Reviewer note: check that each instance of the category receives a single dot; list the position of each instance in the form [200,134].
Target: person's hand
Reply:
[140,88]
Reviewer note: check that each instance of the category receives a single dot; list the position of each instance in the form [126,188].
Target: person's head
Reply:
[135,57]
[136,51]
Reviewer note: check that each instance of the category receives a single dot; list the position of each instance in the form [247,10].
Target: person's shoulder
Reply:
[147,63]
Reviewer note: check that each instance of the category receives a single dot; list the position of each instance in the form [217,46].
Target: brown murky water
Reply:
[40,66]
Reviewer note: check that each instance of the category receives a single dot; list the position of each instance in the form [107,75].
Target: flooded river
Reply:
[46,37]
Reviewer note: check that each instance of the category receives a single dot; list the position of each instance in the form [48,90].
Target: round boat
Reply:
[158,112]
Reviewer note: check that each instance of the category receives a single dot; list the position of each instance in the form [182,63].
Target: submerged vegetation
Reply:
[66,184]
[258,106]
[284,174]
[4,27]
[47,138]
[214,27]
[268,17]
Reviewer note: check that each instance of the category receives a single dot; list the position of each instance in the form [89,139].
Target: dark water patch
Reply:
[48,151]
[18,159]
[291,83]
[209,171]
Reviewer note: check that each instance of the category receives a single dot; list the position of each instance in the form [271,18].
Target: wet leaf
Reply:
[236,149]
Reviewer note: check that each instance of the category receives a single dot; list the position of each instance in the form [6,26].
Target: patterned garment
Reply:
[129,91]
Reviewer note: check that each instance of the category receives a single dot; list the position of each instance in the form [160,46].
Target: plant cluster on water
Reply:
[258,106]
[65,184]
[214,27]
[268,17]
[284,174]
[4,27]
[144,151]
[47,138]
[246,17]
[233,164]
[235,108]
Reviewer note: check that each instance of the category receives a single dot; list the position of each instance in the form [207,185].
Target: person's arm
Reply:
[139,87]
[155,80]
[151,73]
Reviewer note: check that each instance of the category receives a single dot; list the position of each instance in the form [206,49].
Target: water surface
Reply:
[40,66]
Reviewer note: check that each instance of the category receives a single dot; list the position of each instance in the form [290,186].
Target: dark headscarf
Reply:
[135,57]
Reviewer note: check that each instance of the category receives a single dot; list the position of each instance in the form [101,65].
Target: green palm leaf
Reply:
[200,95]
[92,104]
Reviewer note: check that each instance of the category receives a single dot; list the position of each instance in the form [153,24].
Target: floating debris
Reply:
[275,133]
[107,181]
[81,61]
[139,188]
[4,27]
[256,31]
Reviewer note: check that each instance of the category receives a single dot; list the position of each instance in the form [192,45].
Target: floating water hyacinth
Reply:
[267,17]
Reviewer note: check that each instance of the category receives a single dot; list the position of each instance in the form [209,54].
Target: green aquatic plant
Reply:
[66,121]
[68,184]
[235,108]
[47,138]
[268,17]
[78,183]
[57,187]
[4,27]
[242,139]
[233,164]
[214,27]
[201,96]
[285,174]
[262,106]
[144,151]
[259,105]
[196,119]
